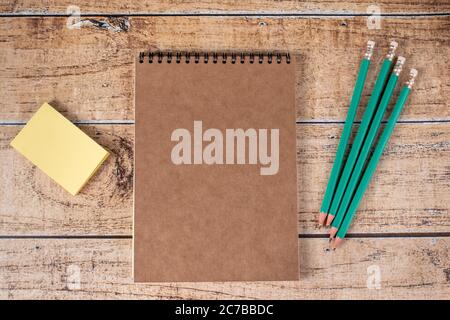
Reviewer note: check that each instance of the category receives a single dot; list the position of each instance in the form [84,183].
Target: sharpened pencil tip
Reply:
[333,232]
[330,244]
[330,219]
[337,242]
[322,218]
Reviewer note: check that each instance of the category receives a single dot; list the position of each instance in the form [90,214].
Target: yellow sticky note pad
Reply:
[57,147]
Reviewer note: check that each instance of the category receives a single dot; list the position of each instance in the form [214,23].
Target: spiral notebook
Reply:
[215,167]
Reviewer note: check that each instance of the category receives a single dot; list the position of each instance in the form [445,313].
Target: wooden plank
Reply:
[89,71]
[103,207]
[225,6]
[409,268]
[409,192]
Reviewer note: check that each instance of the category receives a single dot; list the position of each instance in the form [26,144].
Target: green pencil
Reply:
[356,97]
[375,158]
[362,131]
[374,126]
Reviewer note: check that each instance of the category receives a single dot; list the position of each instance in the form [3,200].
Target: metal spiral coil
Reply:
[214,57]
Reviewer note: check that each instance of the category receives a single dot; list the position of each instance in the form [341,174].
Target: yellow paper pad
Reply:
[61,150]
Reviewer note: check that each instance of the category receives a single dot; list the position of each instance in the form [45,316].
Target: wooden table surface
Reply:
[56,246]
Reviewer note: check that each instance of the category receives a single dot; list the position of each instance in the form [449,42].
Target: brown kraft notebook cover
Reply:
[215,170]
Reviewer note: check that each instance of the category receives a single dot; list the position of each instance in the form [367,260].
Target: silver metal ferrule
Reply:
[412,78]
[369,49]
[392,47]
[399,66]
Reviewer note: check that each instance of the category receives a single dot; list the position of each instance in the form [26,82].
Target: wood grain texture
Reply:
[409,192]
[225,6]
[89,71]
[103,207]
[410,268]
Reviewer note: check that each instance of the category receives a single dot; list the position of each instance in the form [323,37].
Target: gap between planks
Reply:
[228,14]
[301,122]
[300,236]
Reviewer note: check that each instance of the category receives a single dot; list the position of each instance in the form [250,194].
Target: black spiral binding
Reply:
[214,57]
